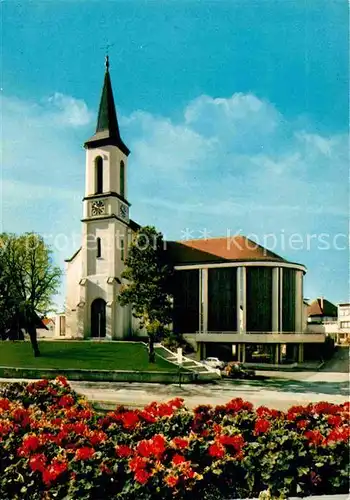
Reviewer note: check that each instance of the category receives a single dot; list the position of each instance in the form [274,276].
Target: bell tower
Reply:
[105,225]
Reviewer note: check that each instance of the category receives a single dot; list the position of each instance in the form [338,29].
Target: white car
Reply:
[214,363]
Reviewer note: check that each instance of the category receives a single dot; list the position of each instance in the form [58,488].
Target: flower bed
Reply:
[54,445]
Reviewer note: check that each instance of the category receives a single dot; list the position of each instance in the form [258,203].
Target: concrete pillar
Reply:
[280,319]
[239,295]
[204,300]
[244,298]
[299,301]
[277,354]
[243,353]
[300,353]
[204,350]
[199,351]
[275,300]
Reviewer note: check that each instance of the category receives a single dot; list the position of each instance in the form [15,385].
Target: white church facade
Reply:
[94,271]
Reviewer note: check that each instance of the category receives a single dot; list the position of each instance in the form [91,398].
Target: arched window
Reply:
[122,179]
[98,247]
[122,249]
[99,175]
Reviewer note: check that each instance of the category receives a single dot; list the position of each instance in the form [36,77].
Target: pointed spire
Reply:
[107,129]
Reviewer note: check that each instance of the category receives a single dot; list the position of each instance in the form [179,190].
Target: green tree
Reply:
[28,282]
[148,278]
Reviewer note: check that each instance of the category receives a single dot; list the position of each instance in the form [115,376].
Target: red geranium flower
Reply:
[52,472]
[62,380]
[171,481]
[66,401]
[178,459]
[238,404]
[21,415]
[237,442]
[141,476]
[84,453]
[340,434]
[159,444]
[217,428]
[148,417]
[38,462]
[314,437]
[137,463]
[180,442]
[130,419]
[97,437]
[105,469]
[176,403]
[189,472]
[144,448]
[216,450]
[334,420]
[261,426]
[326,408]
[31,443]
[5,428]
[4,404]
[302,424]
[123,451]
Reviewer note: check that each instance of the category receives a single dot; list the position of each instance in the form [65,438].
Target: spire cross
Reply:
[108,45]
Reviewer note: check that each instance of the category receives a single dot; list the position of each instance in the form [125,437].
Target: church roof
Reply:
[107,128]
[236,248]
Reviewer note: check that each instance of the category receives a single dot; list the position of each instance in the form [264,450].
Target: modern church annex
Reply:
[234,299]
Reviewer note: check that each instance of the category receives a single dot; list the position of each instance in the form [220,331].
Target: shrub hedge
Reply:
[54,445]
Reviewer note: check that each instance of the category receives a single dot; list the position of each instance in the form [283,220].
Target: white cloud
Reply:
[240,149]
[227,163]
[69,111]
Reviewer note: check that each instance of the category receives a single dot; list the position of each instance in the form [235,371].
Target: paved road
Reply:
[276,393]
[278,390]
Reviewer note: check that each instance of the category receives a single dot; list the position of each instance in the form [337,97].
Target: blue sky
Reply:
[236,114]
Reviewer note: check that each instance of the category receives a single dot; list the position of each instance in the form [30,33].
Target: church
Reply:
[233,298]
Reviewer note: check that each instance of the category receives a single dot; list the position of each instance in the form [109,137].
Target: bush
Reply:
[175,340]
[54,445]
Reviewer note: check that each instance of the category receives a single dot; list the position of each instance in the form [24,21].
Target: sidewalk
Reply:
[139,395]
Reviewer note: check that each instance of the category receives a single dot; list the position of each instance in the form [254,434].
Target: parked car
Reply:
[237,370]
[214,363]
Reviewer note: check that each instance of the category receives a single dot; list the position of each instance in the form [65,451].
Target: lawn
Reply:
[81,355]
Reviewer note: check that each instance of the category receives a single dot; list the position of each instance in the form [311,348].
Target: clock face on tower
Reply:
[97,208]
[123,211]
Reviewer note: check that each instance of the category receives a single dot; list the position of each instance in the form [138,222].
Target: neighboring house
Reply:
[322,311]
[48,328]
[322,317]
[343,322]
[232,296]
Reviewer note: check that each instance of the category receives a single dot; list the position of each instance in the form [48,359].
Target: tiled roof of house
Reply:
[322,307]
[237,248]
[47,321]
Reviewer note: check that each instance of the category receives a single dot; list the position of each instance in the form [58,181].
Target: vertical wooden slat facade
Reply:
[259,299]
[222,299]
[186,301]
[288,300]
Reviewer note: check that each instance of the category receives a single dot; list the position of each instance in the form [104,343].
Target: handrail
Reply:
[186,359]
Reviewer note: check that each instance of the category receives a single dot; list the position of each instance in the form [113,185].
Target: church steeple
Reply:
[107,129]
